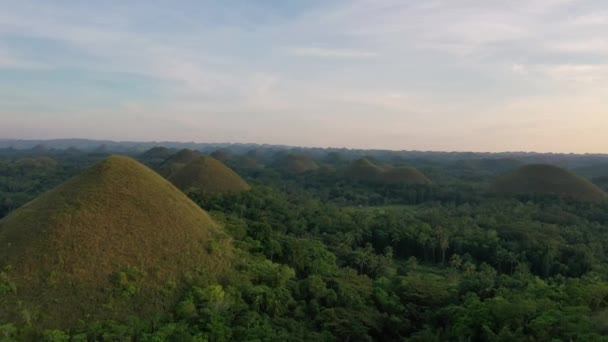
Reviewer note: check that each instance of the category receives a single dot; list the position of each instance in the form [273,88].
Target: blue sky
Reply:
[427,75]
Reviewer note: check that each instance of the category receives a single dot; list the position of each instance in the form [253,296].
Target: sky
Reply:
[449,75]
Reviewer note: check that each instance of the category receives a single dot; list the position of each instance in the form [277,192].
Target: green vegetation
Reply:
[548,179]
[206,175]
[119,253]
[64,247]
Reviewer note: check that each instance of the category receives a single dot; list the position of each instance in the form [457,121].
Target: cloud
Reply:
[578,73]
[586,46]
[330,53]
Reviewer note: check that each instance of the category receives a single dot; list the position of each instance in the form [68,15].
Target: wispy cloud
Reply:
[381,66]
[330,53]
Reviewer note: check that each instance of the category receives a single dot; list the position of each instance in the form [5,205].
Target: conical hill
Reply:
[175,162]
[297,163]
[108,243]
[366,171]
[208,175]
[548,179]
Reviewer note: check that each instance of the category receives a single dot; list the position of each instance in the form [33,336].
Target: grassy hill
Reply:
[177,161]
[222,155]
[108,243]
[364,170]
[297,163]
[208,175]
[157,152]
[404,175]
[548,179]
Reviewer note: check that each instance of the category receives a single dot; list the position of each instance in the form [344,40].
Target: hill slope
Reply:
[405,175]
[297,163]
[548,179]
[364,170]
[67,248]
[177,161]
[208,175]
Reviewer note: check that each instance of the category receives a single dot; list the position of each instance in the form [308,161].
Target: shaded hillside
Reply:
[177,161]
[105,244]
[158,152]
[366,171]
[222,155]
[404,175]
[548,179]
[297,163]
[208,175]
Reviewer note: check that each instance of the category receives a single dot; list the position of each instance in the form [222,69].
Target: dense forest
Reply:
[324,256]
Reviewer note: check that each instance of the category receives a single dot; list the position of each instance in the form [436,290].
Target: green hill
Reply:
[297,163]
[222,155]
[208,175]
[366,171]
[177,161]
[106,244]
[548,179]
[404,175]
[158,152]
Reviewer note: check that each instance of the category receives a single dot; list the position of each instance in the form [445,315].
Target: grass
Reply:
[548,179]
[364,170]
[64,247]
[207,175]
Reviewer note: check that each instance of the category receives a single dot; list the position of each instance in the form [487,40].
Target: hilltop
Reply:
[404,175]
[108,243]
[548,179]
[177,161]
[208,175]
[364,170]
[157,152]
[222,155]
[297,163]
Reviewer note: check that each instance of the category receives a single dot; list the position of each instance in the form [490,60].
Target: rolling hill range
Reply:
[366,171]
[207,175]
[550,180]
[108,243]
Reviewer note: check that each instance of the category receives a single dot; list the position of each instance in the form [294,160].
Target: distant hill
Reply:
[106,244]
[158,152]
[365,170]
[404,175]
[208,175]
[40,148]
[297,163]
[548,179]
[222,155]
[177,161]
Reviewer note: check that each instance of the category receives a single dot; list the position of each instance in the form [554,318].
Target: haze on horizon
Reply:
[418,75]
